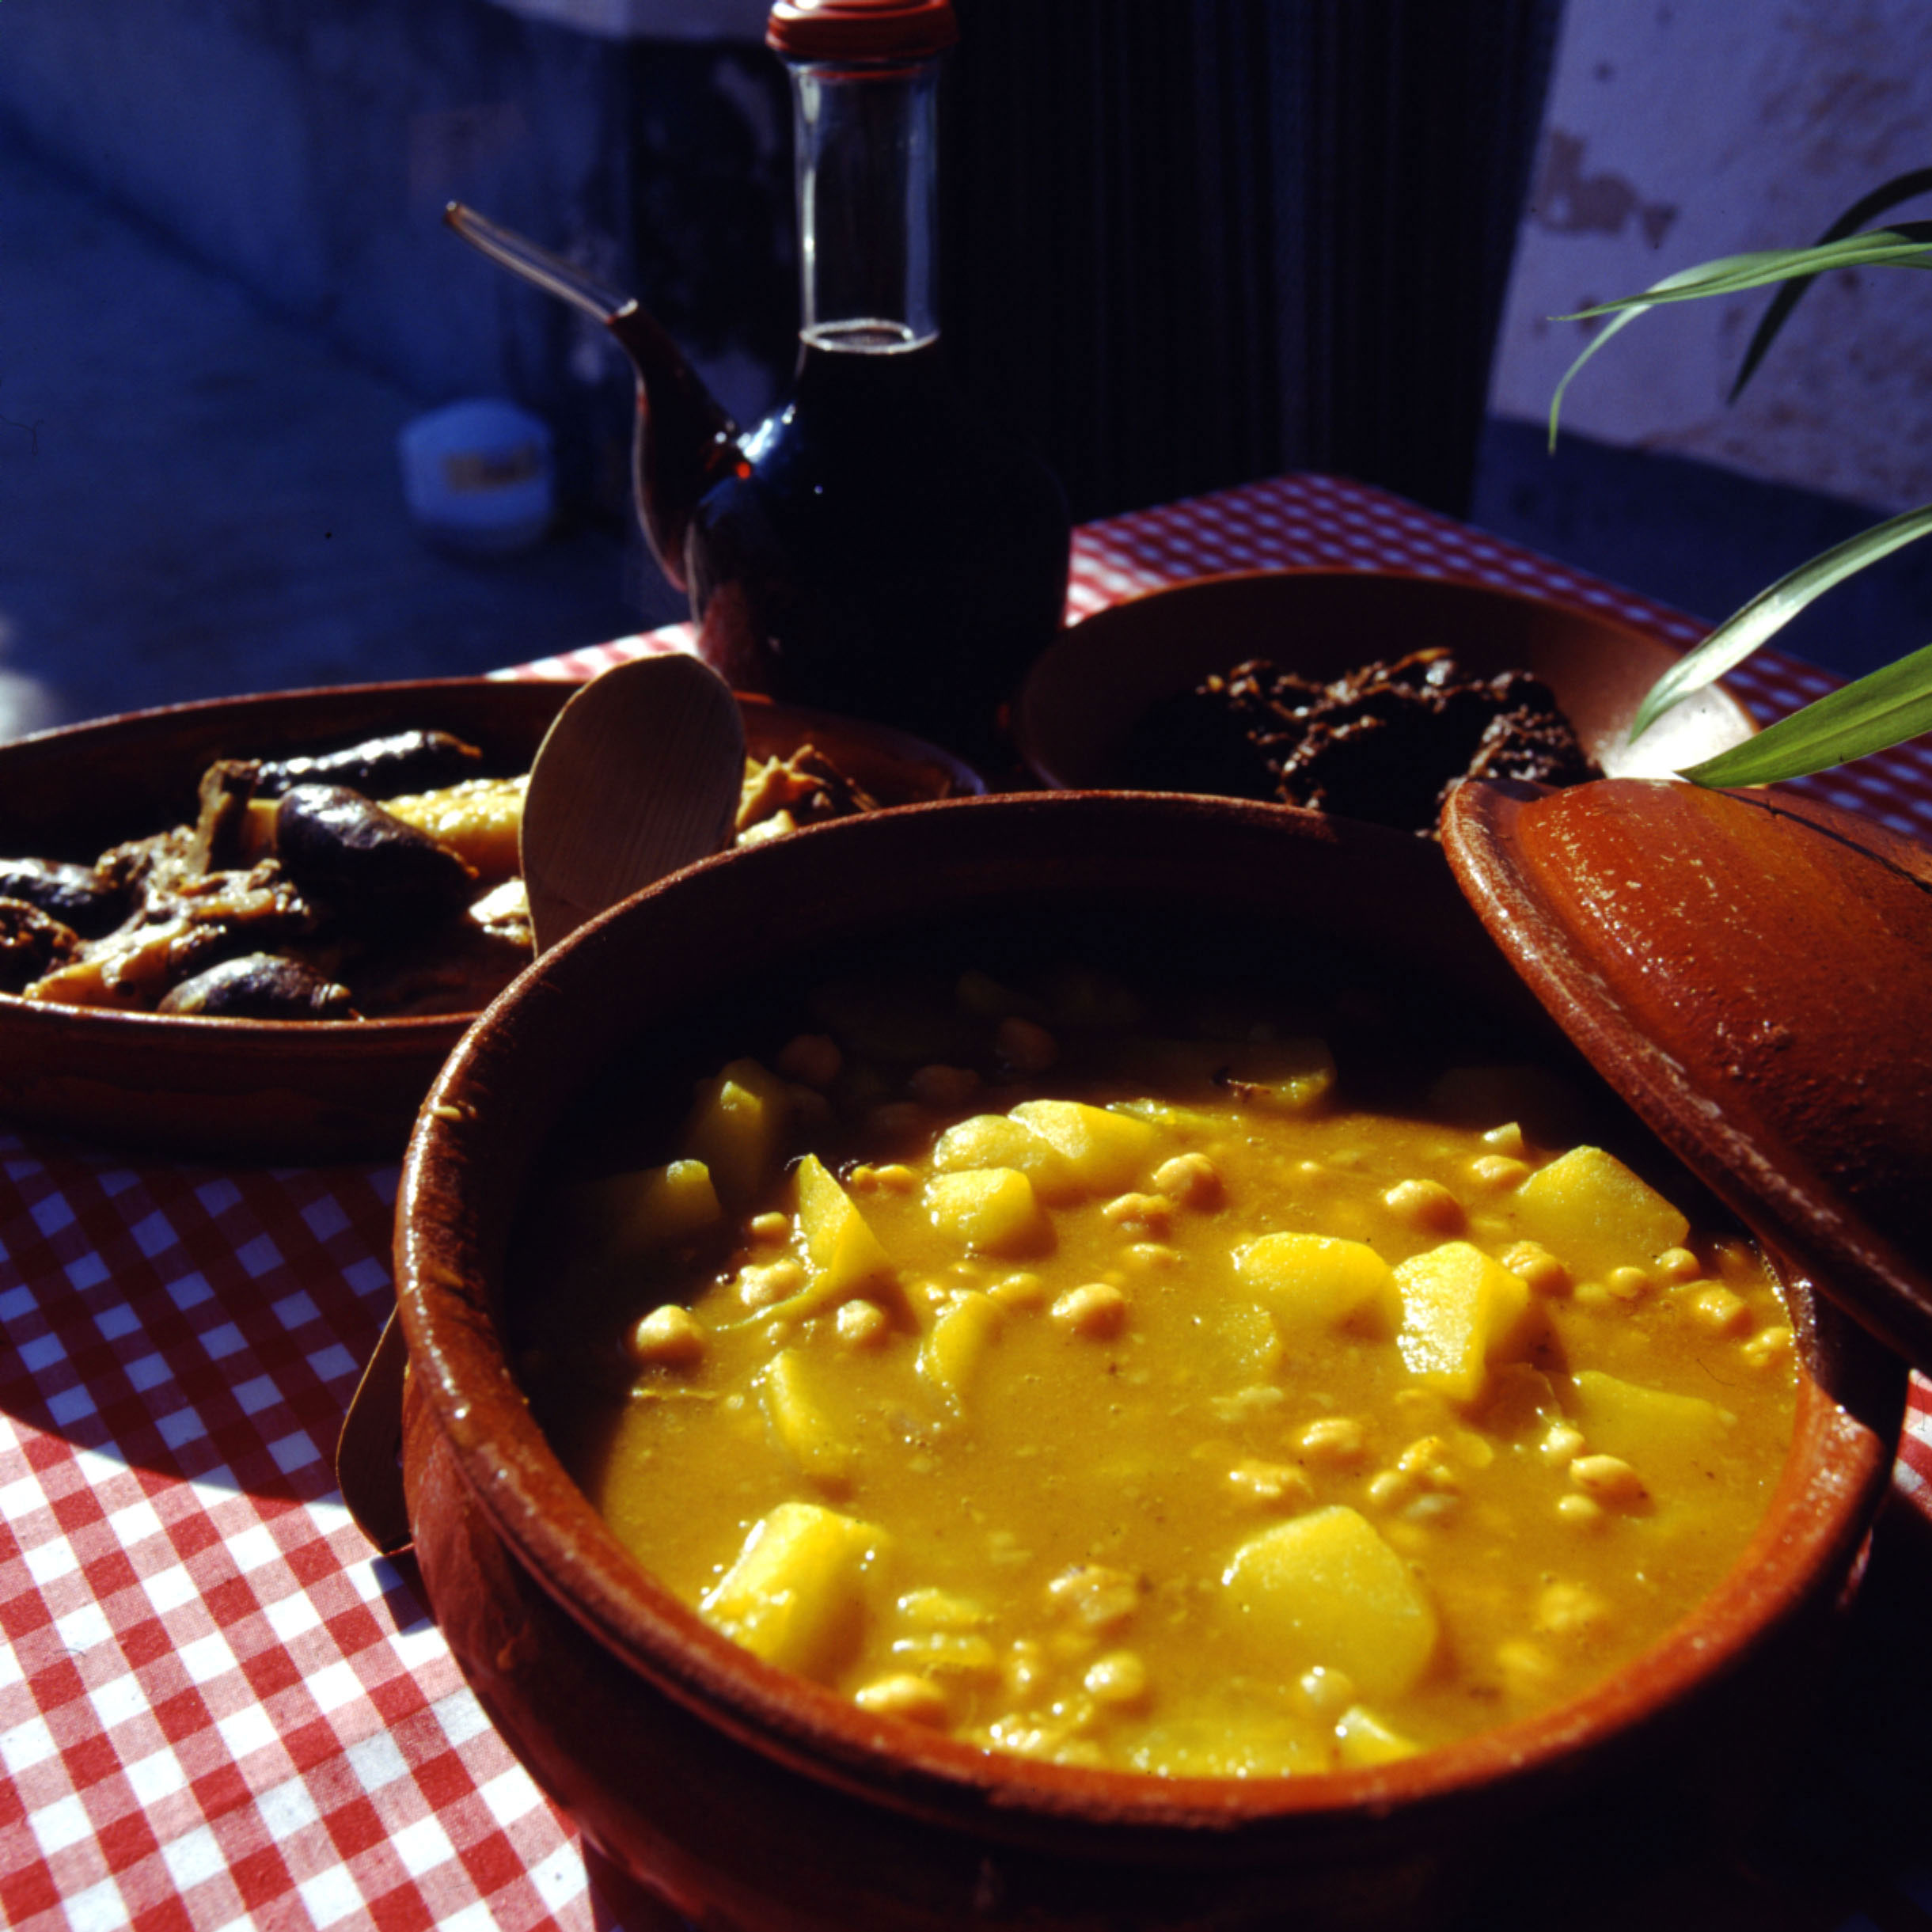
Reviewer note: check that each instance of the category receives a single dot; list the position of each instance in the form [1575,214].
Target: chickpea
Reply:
[1025,1668]
[1096,1597]
[1608,1479]
[1191,1179]
[759,1287]
[917,1699]
[1629,1284]
[1095,1311]
[812,1057]
[1389,1488]
[1536,1265]
[1118,1679]
[1570,1610]
[770,1228]
[1426,1205]
[1497,1171]
[1021,1291]
[1768,1346]
[1153,1213]
[1528,1670]
[669,1338]
[1278,1484]
[862,1324]
[894,1178]
[1339,1440]
[1676,1264]
[1722,1311]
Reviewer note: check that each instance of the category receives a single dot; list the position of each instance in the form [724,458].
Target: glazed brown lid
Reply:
[861,29]
[1753,973]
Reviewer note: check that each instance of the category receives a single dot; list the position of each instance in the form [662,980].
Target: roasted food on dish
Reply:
[296,894]
[1142,1385]
[1385,742]
[378,880]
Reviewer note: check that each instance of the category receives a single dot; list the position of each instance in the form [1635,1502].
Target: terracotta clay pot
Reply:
[745,1797]
[1082,700]
[278,1089]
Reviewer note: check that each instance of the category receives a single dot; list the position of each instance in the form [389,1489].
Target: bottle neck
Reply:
[867,151]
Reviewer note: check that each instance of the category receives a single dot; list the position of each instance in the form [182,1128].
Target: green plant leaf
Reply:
[1767,613]
[1879,711]
[1868,207]
[1909,245]
[1631,309]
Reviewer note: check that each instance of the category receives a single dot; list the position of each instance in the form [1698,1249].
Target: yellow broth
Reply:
[1126,1399]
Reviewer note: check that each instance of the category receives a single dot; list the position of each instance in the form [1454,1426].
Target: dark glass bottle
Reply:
[874,549]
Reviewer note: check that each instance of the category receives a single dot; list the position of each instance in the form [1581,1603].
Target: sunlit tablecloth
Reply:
[216,1706]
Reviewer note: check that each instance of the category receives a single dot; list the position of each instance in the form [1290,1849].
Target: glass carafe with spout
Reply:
[873,547]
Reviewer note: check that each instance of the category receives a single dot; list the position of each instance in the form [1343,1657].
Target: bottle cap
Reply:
[861,29]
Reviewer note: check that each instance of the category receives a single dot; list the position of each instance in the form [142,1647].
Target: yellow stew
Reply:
[1146,1405]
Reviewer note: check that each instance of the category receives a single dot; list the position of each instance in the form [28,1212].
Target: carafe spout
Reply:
[684,440]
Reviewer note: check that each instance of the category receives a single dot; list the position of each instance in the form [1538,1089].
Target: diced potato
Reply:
[841,1250]
[1461,1311]
[993,1140]
[796,1596]
[950,1355]
[1325,1590]
[480,820]
[1366,1740]
[1315,1281]
[1670,1440]
[943,1610]
[1591,1213]
[628,1216]
[989,1211]
[804,1431]
[1253,1340]
[738,1128]
[1107,1151]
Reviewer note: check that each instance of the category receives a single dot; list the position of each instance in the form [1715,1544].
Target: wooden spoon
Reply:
[639,777]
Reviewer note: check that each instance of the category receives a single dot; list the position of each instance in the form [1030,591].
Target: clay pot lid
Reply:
[1753,973]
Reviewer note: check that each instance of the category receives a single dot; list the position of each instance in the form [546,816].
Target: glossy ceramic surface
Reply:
[1083,697]
[282,1090]
[747,1798]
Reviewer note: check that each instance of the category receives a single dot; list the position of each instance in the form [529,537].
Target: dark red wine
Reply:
[876,551]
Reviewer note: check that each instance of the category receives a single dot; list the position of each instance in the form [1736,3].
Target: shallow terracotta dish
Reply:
[746,1797]
[1084,696]
[277,1089]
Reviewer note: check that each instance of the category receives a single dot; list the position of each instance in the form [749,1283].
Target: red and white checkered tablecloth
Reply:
[217,1707]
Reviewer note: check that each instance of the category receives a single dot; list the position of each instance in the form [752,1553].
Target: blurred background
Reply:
[1185,243]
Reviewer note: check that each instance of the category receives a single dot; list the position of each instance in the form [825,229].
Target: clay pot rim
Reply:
[1829,1484]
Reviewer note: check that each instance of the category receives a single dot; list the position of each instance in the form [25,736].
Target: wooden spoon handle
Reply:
[369,1452]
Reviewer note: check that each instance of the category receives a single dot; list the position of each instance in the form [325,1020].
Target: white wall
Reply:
[1678,130]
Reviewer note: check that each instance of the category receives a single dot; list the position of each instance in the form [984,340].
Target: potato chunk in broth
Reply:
[1107,1382]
